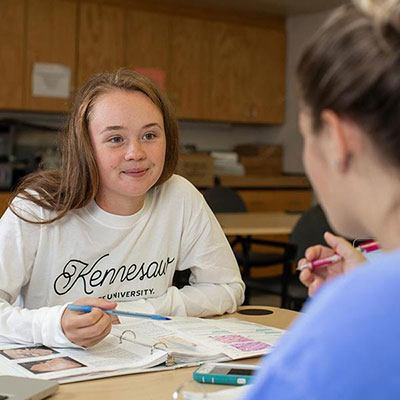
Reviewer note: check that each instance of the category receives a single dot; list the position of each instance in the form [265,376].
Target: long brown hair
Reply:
[76,183]
[352,67]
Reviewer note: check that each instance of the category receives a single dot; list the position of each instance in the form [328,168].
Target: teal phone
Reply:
[225,374]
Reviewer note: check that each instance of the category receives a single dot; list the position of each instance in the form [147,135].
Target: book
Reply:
[143,345]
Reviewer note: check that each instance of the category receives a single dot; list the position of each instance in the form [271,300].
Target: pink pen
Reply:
[324,262]
[369,246]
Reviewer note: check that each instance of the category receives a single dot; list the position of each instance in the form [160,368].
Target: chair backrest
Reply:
[222,199]
[309,230]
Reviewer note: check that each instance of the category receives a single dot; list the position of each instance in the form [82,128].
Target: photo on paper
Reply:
[27,352]
[51,365]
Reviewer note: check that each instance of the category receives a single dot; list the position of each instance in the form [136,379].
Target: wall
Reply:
[220,136]
[299,29]
[206,136]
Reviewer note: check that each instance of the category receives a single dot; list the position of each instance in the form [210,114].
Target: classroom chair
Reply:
[308,231]
[222,199]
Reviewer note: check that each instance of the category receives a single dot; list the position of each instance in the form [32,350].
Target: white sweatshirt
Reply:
[128,259]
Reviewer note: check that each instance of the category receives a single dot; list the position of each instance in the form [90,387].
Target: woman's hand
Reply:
[313,279]
[88,329]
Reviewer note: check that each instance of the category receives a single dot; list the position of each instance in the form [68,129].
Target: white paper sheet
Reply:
[51,80]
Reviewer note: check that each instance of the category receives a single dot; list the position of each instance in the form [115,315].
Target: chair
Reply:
[222,199]
[308,231]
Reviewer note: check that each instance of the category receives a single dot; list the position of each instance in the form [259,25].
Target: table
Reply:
[248,224]
[258,223]
[160,385]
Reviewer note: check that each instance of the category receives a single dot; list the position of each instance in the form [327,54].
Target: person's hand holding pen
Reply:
[88,328]
[349,258]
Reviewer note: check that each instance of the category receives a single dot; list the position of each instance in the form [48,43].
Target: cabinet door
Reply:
[101,39]
[147,40]
[267,77]
[11,53]
[230,93]
[51,38]
[4,198]
[189,84]
[247,73]
[276,200]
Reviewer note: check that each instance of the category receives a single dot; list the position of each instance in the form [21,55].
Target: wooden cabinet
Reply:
[147,40]
[189,79]
[266,101]
[101,39]
[229,72]
[247,73]
[11,53]
[50,38]
[277,200]
[218,68]
[4,198]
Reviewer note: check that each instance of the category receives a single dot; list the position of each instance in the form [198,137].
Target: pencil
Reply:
[80,308]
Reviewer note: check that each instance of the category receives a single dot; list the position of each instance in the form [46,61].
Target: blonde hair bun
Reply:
[385,15]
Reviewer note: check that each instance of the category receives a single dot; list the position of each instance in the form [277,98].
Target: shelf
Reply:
[265,182]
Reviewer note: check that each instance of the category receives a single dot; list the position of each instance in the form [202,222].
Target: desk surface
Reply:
[258,223]
[159,385]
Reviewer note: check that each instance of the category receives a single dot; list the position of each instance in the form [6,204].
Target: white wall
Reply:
[224,136]
[298,29]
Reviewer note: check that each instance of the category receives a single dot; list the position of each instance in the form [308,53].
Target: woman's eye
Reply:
[115,139]
[149,136]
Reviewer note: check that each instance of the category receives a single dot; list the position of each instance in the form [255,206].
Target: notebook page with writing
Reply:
[180,347]
[190,339]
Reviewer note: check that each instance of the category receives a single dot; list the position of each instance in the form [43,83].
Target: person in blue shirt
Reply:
[346,344]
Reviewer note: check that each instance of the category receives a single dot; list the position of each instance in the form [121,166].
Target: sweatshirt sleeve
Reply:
[18,246]
[215,286]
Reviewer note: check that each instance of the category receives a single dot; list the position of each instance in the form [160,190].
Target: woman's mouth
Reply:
[136,172]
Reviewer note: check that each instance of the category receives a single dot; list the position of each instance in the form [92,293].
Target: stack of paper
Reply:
[227,163]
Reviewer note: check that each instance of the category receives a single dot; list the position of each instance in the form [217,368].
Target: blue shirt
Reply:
[346,345]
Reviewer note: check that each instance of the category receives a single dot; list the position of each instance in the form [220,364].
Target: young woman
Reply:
[346,346]
[112,225]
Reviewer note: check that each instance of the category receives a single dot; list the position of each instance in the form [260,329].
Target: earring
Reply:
[347,162]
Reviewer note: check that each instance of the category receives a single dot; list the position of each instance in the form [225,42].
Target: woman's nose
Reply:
[135,152]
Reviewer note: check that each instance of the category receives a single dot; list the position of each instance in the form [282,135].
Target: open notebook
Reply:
[143,345]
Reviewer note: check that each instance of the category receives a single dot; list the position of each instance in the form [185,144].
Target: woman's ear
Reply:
[339,143]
